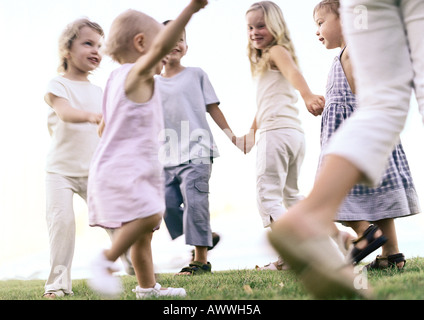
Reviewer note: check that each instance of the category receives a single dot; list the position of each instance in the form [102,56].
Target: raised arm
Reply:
[165,41]
[139,83]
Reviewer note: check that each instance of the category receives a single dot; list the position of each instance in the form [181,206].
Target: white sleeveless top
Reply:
[276,101]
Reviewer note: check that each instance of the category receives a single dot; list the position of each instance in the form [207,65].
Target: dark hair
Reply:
[168,21]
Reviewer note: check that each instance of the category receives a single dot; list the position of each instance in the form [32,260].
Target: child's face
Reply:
[257,31]
[329,28]
[179,50]
[84,55]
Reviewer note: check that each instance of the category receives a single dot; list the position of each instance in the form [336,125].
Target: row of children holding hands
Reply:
[131,179]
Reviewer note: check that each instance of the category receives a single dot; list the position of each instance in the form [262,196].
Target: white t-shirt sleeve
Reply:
[58,89]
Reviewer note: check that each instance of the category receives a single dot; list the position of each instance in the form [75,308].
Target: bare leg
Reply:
[301,236]
[129,233]
[359,227]
[314,215]
[391,246]
[201,254]
[141,255]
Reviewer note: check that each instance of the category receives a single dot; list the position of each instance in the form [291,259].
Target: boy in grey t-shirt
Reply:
[188,152]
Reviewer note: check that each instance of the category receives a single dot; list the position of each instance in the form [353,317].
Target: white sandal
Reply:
[102,280]
[157,291]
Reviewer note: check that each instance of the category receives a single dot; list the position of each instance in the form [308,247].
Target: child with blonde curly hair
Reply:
[75,111]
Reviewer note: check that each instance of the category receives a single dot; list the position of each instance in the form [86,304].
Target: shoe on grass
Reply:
[102,280]
[158,291]
[196,268]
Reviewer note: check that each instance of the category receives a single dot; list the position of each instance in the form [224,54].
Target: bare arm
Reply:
[67,113]
[348,70]
[247,142]
[145,66]
[219,118]
[285,64]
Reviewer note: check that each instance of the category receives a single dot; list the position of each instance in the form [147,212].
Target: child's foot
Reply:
[53,294]
[344,241]
[102,280]
[158,291]
[195,268]
[371,240]
[391,261]
[315,258]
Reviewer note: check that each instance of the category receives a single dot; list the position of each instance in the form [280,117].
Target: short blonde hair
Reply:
[330,5]
[69,35]
[276,24]
[123,30]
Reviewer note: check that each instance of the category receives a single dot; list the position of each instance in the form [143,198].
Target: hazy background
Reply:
[217,41]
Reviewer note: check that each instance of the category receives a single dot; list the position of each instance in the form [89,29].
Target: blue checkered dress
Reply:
[396,195]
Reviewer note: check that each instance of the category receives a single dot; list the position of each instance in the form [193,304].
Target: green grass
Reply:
[239,285]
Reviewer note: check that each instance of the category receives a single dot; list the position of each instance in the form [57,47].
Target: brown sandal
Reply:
[390,261]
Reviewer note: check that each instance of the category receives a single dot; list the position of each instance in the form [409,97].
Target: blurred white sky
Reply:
[217,41]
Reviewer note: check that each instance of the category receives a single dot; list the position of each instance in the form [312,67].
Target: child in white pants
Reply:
[281,146]
[75,110]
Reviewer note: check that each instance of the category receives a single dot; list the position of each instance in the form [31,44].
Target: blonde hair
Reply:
[276,24]
[123,30]
[330,5]
[69,35]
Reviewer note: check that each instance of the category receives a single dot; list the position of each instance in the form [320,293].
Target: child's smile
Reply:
[258,33]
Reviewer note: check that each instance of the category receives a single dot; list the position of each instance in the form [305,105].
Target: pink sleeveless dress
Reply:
[126,178]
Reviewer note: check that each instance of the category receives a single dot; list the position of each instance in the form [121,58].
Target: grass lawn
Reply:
[240,285]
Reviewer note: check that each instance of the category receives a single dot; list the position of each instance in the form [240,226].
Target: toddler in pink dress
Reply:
[126,176]
[125,187]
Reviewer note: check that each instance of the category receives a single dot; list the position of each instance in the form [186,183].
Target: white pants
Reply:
[60,218]
[280,156]
[386,45]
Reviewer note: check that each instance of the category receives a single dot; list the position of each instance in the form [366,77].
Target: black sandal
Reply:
[195,268]
[389,262]
[373,244]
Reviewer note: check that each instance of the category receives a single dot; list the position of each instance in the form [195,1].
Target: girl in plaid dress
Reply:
[395,196]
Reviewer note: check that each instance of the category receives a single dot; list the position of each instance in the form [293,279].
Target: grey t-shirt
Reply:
[187,135]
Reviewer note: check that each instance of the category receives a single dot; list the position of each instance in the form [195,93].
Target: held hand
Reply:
[249,142]
[239,142]
[315,104]
[95,118]
[246,143]
[101,128]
